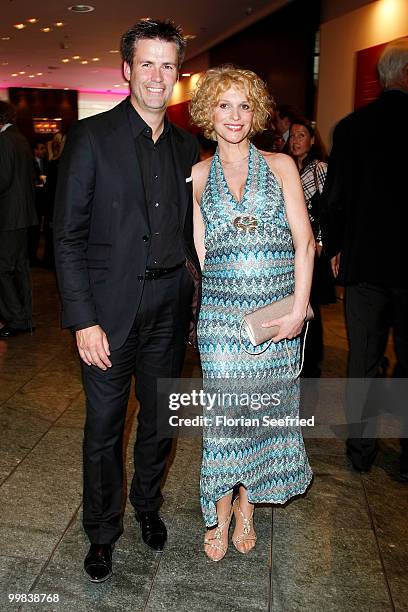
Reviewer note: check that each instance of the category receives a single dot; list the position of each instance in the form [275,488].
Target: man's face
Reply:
[152,75]
[40,151]
[282,124]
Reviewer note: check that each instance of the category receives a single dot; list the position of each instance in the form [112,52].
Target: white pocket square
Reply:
[189,179]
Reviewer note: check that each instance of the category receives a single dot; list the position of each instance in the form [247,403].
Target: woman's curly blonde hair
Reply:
[216,81]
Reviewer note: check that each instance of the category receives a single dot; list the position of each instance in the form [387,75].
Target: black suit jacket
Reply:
[17,209]
[364,206]
[101,227]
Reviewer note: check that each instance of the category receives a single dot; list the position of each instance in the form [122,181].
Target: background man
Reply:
[17,213]
[123,237]
[364,222]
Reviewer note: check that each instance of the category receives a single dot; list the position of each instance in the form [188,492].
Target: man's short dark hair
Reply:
[152,29]
[7,112]
[38,141]
[285,110]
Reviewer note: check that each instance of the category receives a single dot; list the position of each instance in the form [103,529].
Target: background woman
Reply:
[255,244]
[308,151]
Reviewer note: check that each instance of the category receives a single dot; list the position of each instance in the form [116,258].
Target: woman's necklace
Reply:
[246,222]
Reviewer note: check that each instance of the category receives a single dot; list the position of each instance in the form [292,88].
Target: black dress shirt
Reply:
[157,166]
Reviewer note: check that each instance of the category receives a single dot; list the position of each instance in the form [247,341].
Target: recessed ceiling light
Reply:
[31,76]
[32,20]
[81,8]
[114,51]
[84,62]
[76,57]
[19,26]
[39,73]
[65,60]
[66,88]
[145,18]
[116,85]
[190,36]
[47,29]
[95,59]
[5,38]
[14,74]
[59,24]
[125,84]
[22,72]
[186,74]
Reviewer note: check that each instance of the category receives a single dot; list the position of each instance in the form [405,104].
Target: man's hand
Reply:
[335,264]
[93,347]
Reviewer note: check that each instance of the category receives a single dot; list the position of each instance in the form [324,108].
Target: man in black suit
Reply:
[364,222]
[125,261]
[17,214]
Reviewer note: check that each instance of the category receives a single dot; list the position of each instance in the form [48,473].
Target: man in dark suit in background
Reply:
[40,160]
[17,214]
[125,261]
[364,223]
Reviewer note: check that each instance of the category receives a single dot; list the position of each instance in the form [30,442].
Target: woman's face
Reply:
[232,118]
[300,141]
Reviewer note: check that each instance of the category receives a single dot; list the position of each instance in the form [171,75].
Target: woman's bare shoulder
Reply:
[280,163]
[200,173]
[201,168]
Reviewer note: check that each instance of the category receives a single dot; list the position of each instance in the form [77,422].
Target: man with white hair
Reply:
[364,223]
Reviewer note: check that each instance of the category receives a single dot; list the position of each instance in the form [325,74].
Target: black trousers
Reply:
[314,341]
[154,349]
[371,311]
[15,280]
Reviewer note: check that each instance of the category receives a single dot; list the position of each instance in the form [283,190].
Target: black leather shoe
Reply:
[154,532]
[8,332]
[362,466]
[403,475]
[98,562]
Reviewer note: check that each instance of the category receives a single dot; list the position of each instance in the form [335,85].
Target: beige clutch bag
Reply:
[252,321]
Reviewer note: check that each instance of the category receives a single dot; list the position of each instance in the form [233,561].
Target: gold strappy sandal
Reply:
[215,541]
[245,536]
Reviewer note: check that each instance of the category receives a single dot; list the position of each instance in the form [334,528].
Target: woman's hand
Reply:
[290,326]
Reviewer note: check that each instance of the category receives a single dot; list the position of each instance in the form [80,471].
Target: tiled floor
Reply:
[343,546]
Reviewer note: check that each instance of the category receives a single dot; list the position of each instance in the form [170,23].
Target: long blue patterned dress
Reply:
[242,271]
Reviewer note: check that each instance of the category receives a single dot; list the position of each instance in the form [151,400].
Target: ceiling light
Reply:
[39,73]
[19,26]
[65,60]
[76,57]
[59,24]
[84,62]
[145,19]
[14,74]
[81,8]
[186,74]
[32,20]
[190,36]
[47,29]
[125,84]
[116,85]
[114,51]
[95,59]
[5,38]
[66,88]
[31,76]
[4,63]
[22,72]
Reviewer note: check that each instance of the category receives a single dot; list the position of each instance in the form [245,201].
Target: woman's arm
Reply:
[303,241]
[198,221]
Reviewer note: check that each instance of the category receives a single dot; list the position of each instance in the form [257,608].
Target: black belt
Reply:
[154,273]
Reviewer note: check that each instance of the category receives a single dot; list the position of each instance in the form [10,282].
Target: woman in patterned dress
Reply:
[253,237]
